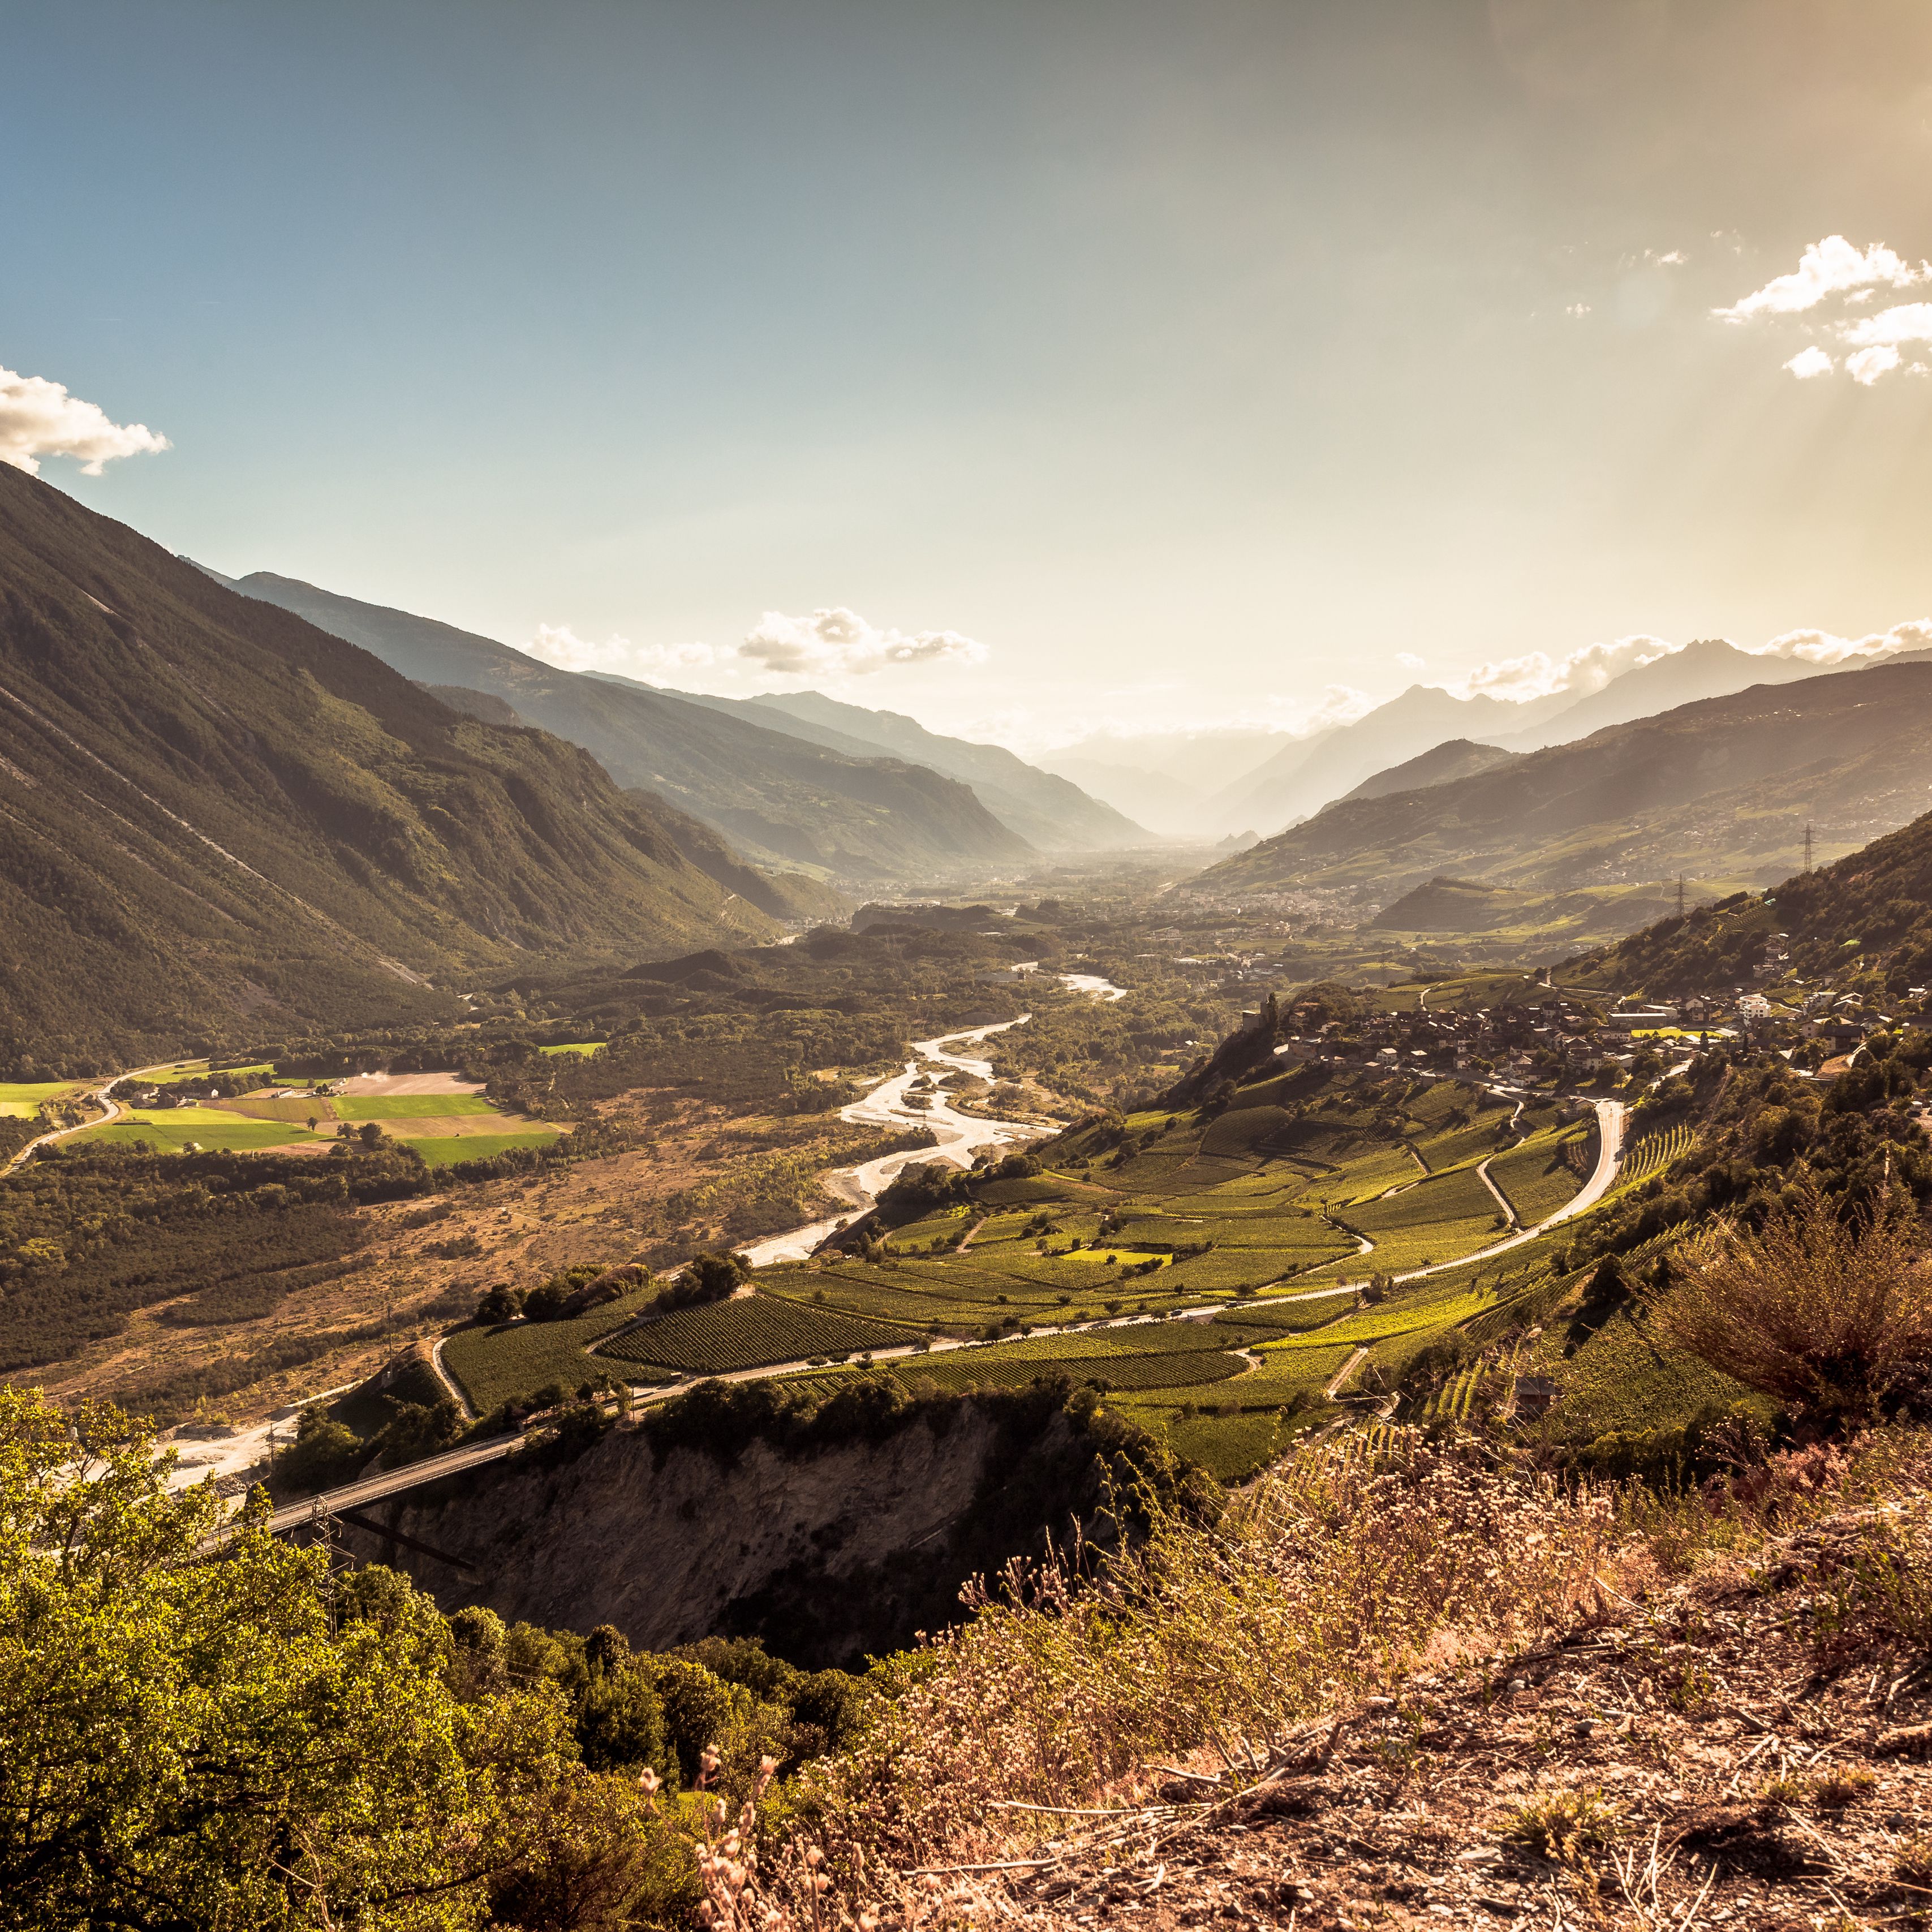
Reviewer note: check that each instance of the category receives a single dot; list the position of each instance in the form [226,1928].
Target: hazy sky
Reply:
[1111,362]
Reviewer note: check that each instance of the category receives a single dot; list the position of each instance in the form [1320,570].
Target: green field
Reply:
[583,1046]
[23,1099]
[409,1106]
[171,1128]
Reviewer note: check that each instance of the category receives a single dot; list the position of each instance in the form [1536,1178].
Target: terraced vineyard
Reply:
[1252,1218]
[1654,1153]
[1534,1178]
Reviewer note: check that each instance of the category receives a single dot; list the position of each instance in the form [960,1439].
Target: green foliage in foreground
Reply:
[259,1741]
[188,1743]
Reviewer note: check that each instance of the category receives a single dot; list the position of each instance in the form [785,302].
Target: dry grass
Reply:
[1424,1679]
[1329,1581]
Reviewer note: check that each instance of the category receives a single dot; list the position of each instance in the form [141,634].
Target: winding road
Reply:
[960,1136]
[102,1094]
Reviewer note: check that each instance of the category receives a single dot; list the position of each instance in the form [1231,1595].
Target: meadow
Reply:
[441,1127]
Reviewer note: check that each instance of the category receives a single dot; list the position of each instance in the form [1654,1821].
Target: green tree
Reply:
[246,1742]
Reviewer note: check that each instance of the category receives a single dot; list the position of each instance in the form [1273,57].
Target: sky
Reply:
[1036,368]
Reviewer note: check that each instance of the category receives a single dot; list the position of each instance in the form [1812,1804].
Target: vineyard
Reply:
[1233,1219]
[751,1332]
[1654,1153]
[495,1364]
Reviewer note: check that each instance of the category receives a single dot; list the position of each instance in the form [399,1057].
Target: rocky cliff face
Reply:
[826,1551]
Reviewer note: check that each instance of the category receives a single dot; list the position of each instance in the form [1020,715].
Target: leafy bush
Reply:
[1829,1311]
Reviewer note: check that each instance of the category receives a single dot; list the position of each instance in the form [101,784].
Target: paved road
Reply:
[101,1093]
[1611,1116]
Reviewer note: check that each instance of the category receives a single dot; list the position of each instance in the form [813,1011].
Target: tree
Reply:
[370,1133]
[500,1303]
[1829,1311]
[249,1742]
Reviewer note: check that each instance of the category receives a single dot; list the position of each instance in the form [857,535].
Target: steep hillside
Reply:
[214,817]
[778,799]
[1871,910]
[1720,790]
[1451,905]
[1455,758]
[1049,812]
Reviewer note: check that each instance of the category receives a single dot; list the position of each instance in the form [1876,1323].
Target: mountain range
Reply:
[215,817]
[1308,773]
[1049,811]
[1721,790]
[862,796]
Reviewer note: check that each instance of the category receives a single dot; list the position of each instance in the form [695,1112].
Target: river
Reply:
[958,1136]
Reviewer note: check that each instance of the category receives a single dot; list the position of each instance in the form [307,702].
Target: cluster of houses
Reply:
[1557,1040]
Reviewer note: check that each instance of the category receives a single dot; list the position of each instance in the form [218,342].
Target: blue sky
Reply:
[1192,361]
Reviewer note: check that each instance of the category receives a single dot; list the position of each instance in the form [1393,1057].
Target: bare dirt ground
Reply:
[1726,1763]
[367,1085]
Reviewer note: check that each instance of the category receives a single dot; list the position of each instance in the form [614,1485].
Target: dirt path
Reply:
[1340,1378]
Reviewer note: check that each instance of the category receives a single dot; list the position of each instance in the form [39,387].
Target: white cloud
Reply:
[1578,309]
[1537,674]
[558,644]
[841,643]
[1904,322]
[1409,661]
[1821,647]
[1869,364]
[39,418]
[1675,260]
[827,645]
[1828,268]
[1809,362]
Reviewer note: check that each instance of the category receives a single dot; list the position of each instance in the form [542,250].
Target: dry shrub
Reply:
[1831,1314]
[1333,1575]
[1564,1826]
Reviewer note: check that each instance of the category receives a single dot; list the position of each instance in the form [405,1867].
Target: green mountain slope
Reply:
[1049,812]
[1720,790]
[1870,911]
[215,818]
[776,798]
